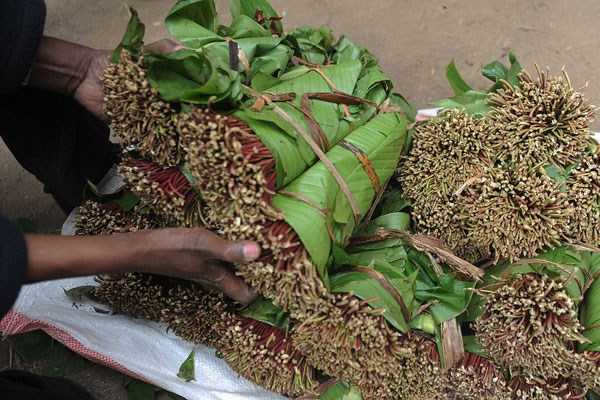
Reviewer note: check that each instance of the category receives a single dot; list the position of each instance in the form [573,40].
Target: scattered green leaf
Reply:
[138,390]
[63,361]
[31,346]
[187,370]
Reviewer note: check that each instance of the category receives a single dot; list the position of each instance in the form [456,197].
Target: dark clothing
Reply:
[21,385]
[50,135]
[58,141]
[21,28]
[13,259]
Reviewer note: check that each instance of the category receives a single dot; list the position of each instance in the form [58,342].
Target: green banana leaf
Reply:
[292,154]
[564,261]
[475,101]
[589,312]
[186,75]
[193,22]
[133,40]
[250,7]
[365,287]
[340,391]
[315,45]
[218,59]
[264,310]
[380,139]
[428,297]
[449,296]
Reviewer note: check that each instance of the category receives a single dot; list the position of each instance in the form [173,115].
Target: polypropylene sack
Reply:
[141,349]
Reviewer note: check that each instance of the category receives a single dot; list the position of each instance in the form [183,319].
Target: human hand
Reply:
[199,255]
[189,253]
[88,91]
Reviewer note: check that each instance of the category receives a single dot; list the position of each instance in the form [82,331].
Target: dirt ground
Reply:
[415,41]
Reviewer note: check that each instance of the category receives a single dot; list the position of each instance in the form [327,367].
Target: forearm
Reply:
[55,257]
[60,66]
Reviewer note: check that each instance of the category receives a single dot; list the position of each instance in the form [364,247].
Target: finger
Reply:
[163,46]
[218,248]
[233,286]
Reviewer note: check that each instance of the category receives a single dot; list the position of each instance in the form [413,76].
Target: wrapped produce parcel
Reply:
[488,175]
[290,139]
[282,139]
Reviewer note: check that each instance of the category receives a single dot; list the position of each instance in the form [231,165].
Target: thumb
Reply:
[242,251]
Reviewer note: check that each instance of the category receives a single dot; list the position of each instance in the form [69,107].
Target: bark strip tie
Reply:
[311,203]
[319,153]
[382,280]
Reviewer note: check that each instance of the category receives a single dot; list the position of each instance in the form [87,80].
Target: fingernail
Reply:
[251,252]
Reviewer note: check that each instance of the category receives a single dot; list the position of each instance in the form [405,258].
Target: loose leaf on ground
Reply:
[138,390]
[31,346]
[187,370]
[63,361]
[133,40]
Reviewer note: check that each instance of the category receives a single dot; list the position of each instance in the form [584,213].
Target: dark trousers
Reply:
[21,385]
[57,140]
[63,145]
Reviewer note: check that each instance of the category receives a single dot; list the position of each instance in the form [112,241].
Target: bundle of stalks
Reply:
[294,230]
[96,218]
[139,116]
[235,170]
[167,191]
[364,351]
[488,178]
[476,377]
[439,164]
[528,388]
[439,167]
[583,192]
[529,324]
[194,313]
[265,355]
[587,370]
[515,212]
[540,122]
[376,343]
[136,294]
